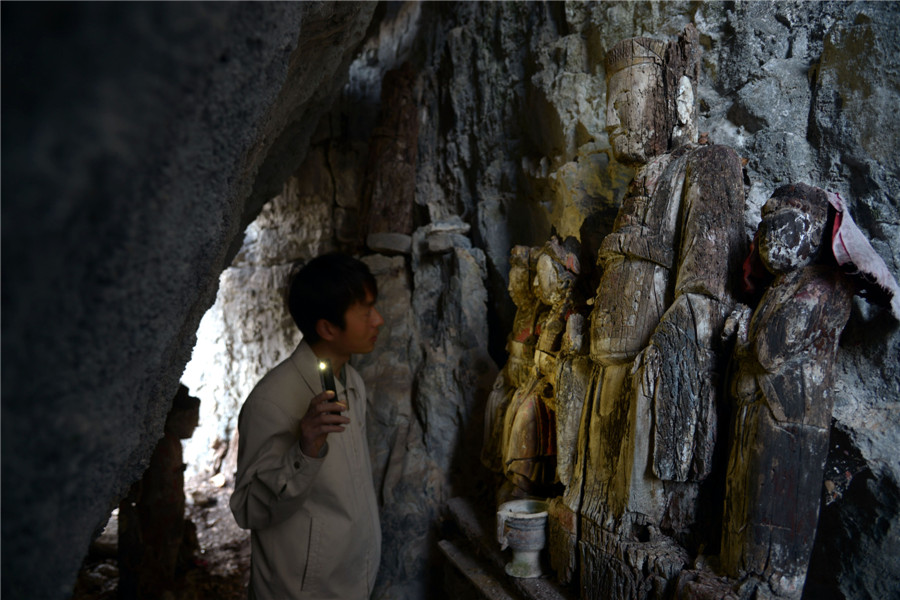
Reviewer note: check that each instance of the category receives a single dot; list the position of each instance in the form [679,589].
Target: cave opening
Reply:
[246,332]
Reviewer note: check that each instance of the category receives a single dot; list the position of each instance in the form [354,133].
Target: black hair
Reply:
[324,288]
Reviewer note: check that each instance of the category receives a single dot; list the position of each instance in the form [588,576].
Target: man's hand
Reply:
[321,419]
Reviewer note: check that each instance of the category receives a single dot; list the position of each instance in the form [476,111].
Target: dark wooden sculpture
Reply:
[156,541]
[389,188]
[781,390]
[782,397]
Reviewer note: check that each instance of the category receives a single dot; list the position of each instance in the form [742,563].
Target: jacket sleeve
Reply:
[273,475]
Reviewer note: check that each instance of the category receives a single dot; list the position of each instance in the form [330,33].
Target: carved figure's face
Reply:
[520,284]
[634,113]
[789,238]
[552,280]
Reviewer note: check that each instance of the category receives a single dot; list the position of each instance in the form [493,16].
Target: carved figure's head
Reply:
[650,87]
[635,100]
[792,229]
[521,275]
[557,269]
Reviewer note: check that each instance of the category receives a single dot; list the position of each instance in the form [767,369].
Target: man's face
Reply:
[361,323]
[634,113]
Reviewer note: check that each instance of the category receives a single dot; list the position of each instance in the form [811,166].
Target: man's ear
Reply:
[326,329]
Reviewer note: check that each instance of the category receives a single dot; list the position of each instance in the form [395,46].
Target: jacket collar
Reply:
[306,363]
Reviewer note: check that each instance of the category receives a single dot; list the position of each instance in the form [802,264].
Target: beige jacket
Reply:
[314,521]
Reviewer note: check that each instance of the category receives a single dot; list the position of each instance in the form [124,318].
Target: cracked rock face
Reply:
[138,142]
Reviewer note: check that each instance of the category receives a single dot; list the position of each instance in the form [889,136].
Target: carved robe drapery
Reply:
[648,423]
[664,292]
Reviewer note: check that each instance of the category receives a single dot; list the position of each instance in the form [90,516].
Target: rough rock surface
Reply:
[139,141]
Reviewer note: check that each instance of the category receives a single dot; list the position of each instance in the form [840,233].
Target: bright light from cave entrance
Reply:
[241,337]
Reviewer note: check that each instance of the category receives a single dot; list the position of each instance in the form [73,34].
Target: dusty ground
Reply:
[219,569]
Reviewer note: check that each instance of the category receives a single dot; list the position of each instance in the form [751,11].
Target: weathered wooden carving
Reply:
[573,372]
[528,444]
[648,425]
[156,542]
[781,391]
[520,346]
[782,397]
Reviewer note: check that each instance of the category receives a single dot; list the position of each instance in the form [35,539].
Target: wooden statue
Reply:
[557,270]
[648,425]
[782,396]
[573,369]
[782,393]
[156,541]
[389,188]
[529,431]
[815,258]
[520,345]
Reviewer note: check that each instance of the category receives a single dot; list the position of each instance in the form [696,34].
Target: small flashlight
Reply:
[328,378]
[327,375]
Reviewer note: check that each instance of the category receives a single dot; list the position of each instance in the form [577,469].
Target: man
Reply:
[304,482]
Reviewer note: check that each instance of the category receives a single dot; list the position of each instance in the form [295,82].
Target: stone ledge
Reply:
[389,243]
[466,564]
[481,561]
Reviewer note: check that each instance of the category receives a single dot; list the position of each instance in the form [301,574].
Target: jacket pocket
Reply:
[312,566]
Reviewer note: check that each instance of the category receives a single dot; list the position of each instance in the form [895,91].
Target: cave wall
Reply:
[511,147]
[139,140]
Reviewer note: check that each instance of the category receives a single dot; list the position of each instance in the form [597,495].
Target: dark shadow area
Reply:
[219,568]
